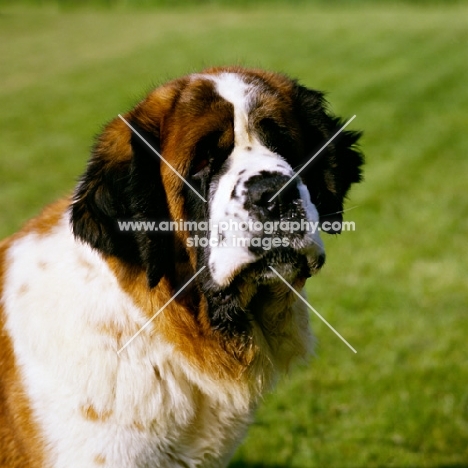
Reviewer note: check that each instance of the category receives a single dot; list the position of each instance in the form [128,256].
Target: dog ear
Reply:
[331,173]
[123,183]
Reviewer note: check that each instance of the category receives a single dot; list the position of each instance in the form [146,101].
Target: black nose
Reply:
[263,197]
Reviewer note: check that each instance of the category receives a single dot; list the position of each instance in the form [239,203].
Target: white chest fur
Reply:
[142,408]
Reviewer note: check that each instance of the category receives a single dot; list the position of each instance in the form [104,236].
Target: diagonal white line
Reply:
[312,158]
[342,211]
[161,309]
[160,157]
[312,309]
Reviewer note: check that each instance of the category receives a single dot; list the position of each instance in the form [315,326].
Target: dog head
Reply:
[225,155]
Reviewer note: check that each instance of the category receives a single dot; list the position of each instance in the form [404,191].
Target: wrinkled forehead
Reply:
[245,98]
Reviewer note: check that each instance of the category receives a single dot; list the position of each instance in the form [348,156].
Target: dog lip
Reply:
[288,261]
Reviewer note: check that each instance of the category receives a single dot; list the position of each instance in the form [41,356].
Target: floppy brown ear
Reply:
[122,182]
[330,175]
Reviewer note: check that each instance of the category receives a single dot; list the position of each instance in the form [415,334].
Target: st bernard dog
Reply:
[143,347]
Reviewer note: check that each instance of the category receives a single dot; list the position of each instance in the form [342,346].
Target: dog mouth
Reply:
[286,263]
[233,307]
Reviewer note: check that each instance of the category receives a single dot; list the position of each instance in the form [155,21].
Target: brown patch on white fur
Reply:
[138,426]
[23,289]
[110,329]
[90,413]
[100,460]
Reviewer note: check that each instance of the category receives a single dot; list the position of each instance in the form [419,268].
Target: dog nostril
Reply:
[261,199]
[266,193]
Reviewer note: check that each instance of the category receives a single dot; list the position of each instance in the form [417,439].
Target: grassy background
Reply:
[397,288]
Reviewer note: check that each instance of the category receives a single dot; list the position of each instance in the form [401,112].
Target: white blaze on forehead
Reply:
[231,87]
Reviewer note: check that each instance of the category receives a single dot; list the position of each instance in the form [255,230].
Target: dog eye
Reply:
[275,136]
[205,152]
[200,168]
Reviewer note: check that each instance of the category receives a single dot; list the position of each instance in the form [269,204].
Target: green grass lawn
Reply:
[396,288]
